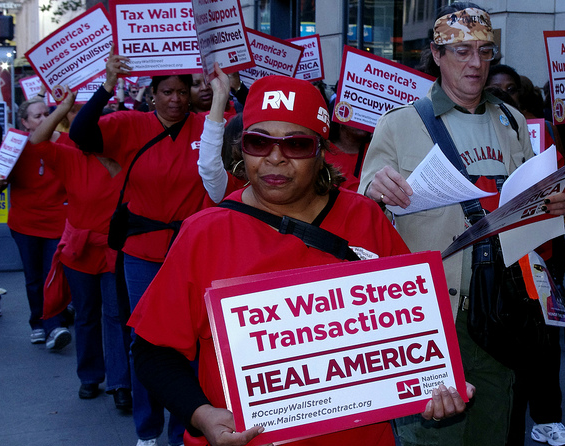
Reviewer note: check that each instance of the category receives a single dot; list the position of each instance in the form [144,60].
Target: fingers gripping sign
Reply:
[218,427]
[446,402]
[115,65]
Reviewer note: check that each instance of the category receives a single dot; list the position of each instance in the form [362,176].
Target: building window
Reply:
[382,26]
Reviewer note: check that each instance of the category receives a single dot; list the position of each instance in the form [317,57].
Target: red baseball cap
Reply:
[283,98]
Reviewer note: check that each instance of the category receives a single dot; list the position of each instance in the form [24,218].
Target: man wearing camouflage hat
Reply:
[461,53]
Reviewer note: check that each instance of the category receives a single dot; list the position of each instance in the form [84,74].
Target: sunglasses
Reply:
[292,147]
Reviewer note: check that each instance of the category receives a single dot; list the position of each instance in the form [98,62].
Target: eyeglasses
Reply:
[292,147]
[464,53]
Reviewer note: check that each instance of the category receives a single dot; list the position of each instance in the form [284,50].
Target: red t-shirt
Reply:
[37,196]
[164,183]
[219,243]
[92,196]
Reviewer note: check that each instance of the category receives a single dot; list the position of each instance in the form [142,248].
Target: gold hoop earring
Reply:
[234,168]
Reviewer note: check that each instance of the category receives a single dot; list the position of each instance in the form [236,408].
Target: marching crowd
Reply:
[124,217]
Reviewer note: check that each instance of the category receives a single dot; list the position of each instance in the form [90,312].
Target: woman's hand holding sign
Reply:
[446,402]
[218,427]
[115,65]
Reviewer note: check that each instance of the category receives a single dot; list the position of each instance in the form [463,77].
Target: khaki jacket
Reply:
[401,141]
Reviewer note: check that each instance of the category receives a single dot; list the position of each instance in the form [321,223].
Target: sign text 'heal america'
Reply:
[158,37]
[358,341]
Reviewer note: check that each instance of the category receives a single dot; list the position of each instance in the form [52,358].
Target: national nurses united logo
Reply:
[559,110]
[343,111]
[409,389]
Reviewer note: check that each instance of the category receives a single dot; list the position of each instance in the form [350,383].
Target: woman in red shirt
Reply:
[283,149]
[36,220]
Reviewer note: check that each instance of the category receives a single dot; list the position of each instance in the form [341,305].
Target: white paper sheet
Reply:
[436,182]
[518,242]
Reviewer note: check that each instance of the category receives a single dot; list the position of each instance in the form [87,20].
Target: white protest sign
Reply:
[31,86]
[221,36]
[310,65]
[11,149]
[555,51]
[365,342]
[158,37]
[371,85]
[74,54]
[525,208]
[271,56]
[536,129]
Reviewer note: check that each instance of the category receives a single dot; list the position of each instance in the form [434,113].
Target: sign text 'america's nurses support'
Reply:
[75,53]
[317,350]
[159,37]
[555,50]
[272,56]
[371,85]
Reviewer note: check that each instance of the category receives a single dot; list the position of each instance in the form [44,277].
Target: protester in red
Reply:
[36,220]
[93,185]
[164,188]
[283,157]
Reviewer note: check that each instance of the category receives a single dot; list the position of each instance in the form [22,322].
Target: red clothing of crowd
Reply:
[37,196]
[164,183]
[218,243]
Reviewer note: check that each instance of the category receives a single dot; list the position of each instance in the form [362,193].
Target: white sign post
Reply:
[271,56]
[74,54]
[310,65]
[11,149]
[221,36]
[159,37]
[555,50]
[371,85]
[365,342]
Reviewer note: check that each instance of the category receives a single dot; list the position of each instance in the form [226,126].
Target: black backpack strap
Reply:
[511,119]
[439,134]
[311,235]
[141,151]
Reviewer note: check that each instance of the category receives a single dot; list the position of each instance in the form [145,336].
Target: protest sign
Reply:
[310,65]
[554,44]
[31,86]
[536,129]
[158,37]
[523,209]
[365,342]
[84,93]
[11,149]
[371,85]
[271,56]
[221,36]
[74,54]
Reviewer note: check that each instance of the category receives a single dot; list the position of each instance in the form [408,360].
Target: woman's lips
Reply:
[275,180]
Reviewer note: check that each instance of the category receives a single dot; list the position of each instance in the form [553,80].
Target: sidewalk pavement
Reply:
[39,403]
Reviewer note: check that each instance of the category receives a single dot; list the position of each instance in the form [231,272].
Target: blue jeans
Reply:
[37,254]
[148,414]
[98,331]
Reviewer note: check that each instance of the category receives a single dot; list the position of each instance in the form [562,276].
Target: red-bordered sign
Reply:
[158,36]
[74,54]
[310,65]
[371,85]
[322,349]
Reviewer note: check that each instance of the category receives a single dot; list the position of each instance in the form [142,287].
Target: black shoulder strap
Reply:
[439,134]
[311,235]
[154,141]
[511,119]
